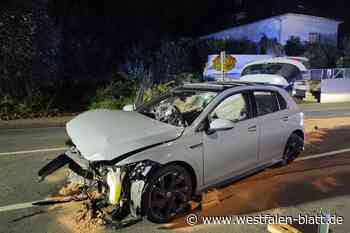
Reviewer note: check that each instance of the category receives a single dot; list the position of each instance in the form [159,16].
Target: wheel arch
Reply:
[190,169]
[299,132]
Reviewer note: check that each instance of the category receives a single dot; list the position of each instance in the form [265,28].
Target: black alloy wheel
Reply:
[167,194]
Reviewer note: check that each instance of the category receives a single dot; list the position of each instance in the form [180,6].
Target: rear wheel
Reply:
[294,147]
[167,194]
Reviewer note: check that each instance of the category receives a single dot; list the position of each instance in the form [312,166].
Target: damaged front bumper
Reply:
[121,186]
[71,157]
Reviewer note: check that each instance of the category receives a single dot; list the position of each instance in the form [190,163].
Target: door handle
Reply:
[252,128]
[196,145]
[285,118]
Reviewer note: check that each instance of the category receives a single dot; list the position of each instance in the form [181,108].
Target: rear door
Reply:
[272,115]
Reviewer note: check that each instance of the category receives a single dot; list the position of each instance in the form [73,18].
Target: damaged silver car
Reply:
[154,160]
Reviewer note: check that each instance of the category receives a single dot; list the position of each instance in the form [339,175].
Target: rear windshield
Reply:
[288,71]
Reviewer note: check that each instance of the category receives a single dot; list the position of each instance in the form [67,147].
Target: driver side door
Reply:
[231,152]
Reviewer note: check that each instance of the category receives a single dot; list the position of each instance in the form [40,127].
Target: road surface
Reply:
[326,110]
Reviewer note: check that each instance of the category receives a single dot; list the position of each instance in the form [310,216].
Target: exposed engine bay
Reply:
[119,187]
[168,113]
[179,108]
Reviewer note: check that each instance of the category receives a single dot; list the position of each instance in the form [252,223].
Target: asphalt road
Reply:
[31,139]
[326,184]
[326,110]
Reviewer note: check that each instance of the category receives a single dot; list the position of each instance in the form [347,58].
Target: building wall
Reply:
[254,31]
[282,28]
[335,90]
[301,26]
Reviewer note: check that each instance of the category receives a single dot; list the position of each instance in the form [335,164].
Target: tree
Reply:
[171,59]
[344,60]
[321,55]
[294,47]
[18,53]
[263,44]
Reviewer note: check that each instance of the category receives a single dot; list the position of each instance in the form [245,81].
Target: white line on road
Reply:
[33,151]
[313,116]
[17,206]
[31,204]
[323,154]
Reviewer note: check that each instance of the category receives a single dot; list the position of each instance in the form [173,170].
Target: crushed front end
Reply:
[120,188]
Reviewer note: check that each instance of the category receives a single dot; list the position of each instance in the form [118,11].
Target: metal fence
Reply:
[336,73]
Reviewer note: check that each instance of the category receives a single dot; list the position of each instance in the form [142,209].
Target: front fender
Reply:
[175,151]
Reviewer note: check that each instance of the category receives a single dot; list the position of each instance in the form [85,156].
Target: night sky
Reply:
[93,37]
[147,19]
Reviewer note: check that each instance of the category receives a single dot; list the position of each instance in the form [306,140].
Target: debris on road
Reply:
[210,199]
[92,208]
[282,228]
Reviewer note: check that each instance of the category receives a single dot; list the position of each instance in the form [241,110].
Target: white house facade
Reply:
[308,28]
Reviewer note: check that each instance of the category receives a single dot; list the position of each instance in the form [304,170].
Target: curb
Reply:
[35,123]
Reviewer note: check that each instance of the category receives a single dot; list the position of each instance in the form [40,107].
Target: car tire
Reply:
[294,147]
[167,194]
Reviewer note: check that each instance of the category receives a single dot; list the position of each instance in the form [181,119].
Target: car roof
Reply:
[219,86]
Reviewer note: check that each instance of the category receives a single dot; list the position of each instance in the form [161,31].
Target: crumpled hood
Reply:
[107,134]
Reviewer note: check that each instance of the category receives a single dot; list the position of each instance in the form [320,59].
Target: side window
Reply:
[282,102]
[266,102]
[233,108]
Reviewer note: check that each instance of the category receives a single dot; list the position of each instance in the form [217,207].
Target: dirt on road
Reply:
[276,188]
[312,125]
[324,135]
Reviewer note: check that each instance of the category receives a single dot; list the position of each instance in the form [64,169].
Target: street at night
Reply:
[228,116]
[303,187]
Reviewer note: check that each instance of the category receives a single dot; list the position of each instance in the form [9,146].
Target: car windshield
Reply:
[178,107]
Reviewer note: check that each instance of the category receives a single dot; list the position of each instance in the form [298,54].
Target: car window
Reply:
[287,71]
[233,108]
[266,102]
[282,102]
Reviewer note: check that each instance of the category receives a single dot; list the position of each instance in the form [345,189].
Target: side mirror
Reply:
[129,108]
[220,125]
[204,126]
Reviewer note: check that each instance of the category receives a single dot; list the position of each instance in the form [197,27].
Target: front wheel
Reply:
[294,147]
[167,194]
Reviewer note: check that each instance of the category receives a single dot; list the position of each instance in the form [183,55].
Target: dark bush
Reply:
[294,47]
[321,55]
[344,59]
